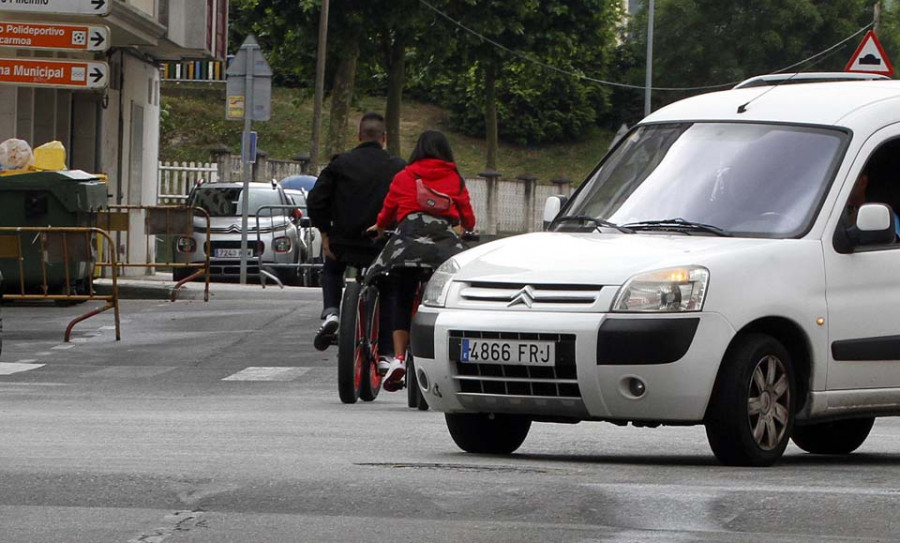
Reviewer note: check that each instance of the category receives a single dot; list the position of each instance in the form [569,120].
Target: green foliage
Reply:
[196,123]
[698,43]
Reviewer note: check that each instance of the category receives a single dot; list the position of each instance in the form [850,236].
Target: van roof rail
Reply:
[806,77]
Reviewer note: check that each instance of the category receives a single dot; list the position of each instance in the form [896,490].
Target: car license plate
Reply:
[528,353]
[231,253]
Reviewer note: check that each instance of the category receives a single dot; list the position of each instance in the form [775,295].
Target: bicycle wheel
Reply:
[350,344]
[371,381]
[414,397]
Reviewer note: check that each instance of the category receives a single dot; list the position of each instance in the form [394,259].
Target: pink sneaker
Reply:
[394,378]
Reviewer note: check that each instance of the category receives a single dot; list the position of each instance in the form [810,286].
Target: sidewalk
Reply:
[159,287]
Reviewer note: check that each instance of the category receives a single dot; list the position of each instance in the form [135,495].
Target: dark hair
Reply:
[371,127]
[432,144]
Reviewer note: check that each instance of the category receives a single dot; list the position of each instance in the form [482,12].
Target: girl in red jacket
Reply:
[428,202]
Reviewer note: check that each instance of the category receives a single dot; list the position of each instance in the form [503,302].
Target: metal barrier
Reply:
[163,221]
[60,248]
[284,260]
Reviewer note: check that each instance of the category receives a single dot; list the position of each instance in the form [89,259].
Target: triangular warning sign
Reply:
[870,57]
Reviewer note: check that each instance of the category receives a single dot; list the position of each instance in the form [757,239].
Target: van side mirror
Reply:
[874,226]
[552,206]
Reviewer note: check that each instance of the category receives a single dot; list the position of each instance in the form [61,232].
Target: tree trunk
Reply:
[490,112]
[396,80]
[341,97]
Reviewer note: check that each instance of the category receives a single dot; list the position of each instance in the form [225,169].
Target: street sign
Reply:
[249,61]
[236,101]
[71,74]
[64,7]
[870,57]
[53,36]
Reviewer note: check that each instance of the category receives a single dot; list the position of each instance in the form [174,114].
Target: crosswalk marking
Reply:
[9,368]
[257,373]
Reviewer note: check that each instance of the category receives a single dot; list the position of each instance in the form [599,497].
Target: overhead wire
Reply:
[584,77]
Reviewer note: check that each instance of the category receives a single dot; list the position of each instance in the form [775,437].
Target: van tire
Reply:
[834,437]
[751,413]
[483,433]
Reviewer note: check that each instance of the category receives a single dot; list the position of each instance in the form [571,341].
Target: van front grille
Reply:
[557,381]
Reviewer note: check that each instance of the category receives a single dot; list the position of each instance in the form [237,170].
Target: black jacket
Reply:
[349,193]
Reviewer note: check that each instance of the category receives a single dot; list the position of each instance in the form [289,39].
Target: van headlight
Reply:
[664,291]
[436,290]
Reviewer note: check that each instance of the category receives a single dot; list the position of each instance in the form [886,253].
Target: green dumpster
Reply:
[59,199]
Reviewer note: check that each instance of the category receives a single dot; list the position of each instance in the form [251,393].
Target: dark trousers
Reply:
[401,286]
[332,290]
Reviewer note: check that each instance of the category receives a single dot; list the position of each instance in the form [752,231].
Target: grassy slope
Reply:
[196,122]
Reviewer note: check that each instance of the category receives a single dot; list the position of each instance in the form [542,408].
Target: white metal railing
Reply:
[175,179]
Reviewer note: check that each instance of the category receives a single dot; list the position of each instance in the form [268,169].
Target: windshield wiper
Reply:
[678,224]
[598,223]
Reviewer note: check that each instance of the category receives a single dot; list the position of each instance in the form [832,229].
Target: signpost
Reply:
[59,73]
[63,7]
[254,101]
[61,37]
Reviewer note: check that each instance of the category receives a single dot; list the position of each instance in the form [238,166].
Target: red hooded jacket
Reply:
[438,175]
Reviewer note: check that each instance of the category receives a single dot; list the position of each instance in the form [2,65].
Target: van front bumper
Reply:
[634,367]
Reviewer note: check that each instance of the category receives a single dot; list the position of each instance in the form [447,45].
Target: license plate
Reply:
[528,353]
[230,253]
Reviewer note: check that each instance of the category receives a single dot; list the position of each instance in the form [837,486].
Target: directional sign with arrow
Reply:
[53,36]
[65,7]
[57,73]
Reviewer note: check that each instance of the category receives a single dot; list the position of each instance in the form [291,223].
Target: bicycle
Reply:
[358,376]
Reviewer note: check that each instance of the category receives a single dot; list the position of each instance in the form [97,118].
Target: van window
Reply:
[761,180]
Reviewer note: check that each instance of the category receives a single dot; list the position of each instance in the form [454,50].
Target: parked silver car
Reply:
[311,265]
[273,238]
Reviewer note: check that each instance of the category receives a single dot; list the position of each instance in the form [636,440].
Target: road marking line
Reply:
[256,373]
[26,361]
[43,353]
[8,368]
[62,347]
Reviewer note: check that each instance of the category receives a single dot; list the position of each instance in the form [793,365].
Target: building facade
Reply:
[115,130]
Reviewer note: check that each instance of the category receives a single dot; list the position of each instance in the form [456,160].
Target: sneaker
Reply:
[384,364]
[394,378]
[325,335]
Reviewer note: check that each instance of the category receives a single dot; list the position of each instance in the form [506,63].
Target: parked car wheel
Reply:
[180,273]
[484,433]
[835,437]
[751,412]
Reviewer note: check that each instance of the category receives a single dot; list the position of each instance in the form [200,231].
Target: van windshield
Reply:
[227,201]
[760,180]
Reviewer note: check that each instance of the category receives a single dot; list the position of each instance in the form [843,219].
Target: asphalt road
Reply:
[218,422]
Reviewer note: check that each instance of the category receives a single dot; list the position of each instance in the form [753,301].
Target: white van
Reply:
[722,266]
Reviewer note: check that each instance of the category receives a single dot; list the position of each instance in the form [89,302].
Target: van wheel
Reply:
[483,433]
[751,413]
[835,437]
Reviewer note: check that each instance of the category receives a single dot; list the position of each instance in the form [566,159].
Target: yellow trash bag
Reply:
[50,156]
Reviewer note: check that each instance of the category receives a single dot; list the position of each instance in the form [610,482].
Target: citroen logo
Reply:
[234,229]
[524,296]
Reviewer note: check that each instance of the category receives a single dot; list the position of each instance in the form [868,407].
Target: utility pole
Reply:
[877,26]
[320,89]
[648,84]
